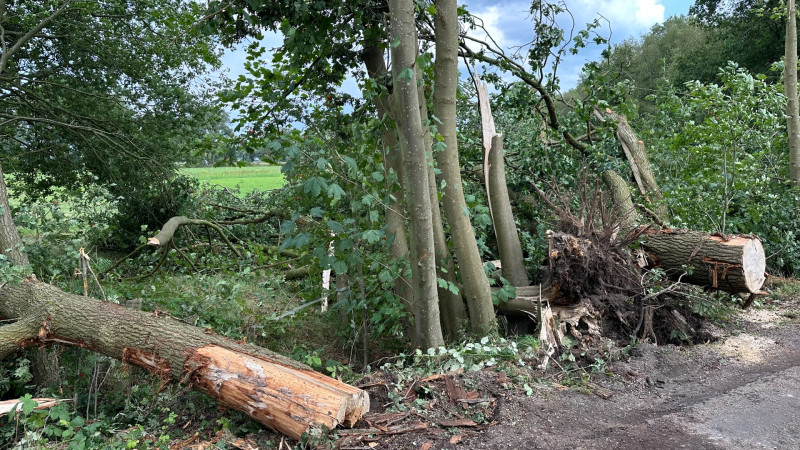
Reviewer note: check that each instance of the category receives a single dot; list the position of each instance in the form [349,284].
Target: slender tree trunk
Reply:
[476,286]
[10,242]
[513,267]
[790,88]
[423,264]
[392,162]
[451,305]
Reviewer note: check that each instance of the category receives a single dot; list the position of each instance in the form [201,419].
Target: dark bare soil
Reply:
[742,391]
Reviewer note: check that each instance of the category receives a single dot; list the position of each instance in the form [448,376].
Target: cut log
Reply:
[732,263]
[272,389]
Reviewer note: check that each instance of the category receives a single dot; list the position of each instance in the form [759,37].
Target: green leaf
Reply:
[372,236]
[339,267]
[407,74]
[28,404]
[315,186]
[378,176]
[335,191]
[335,227]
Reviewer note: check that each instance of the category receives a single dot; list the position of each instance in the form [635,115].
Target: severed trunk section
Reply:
[505,228]
[730,263]
[638,160]
[503,218]
[272,389]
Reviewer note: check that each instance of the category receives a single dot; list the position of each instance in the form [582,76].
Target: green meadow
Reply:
[263,178]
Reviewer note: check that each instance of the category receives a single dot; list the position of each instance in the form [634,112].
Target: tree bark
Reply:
[639,162]
[622,210]
[470,265]
[423,266]
[505,227]
[790,88]
[10,241]
[272,389]
[730,263]
[392,162]
[451,305]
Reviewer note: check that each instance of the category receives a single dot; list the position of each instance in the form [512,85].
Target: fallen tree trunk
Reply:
[730,263]
[272,389]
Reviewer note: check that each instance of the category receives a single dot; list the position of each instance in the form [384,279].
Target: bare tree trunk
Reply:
[790,88]
[505,228]
[10,242]
[476,285]
[423,263]
[451,304]
[392,161]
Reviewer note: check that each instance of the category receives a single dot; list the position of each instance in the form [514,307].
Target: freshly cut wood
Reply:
[7,406]
[732,263]
[278,392]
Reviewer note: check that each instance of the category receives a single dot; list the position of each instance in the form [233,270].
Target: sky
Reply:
[508,23]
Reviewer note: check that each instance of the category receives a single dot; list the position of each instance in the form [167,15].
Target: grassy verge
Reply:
[264,178]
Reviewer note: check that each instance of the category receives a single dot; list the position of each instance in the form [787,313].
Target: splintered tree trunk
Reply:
[423,264]
[727,262]
[505,229]
[274,390]
[639,161]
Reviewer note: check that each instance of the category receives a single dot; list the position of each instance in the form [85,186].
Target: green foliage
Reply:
[720,150]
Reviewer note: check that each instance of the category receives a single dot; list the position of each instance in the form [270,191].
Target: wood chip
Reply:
[426,446]
[458,423]
[456,438]
[454,389]
[600,391]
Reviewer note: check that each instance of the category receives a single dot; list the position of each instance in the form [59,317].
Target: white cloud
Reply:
[627,14]
[491,18]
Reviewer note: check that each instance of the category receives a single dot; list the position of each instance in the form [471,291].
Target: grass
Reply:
[263,178]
